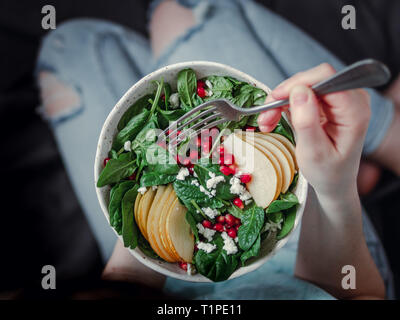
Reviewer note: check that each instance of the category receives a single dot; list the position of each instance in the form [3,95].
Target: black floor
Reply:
[41,221]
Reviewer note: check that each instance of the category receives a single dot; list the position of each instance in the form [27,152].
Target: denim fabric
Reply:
[101,60]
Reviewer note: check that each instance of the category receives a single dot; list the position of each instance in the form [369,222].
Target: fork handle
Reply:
[361,74]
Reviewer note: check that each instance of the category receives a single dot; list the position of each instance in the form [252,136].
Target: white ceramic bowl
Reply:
[109,130]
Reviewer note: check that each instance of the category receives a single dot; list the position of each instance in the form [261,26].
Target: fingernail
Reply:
[299,95]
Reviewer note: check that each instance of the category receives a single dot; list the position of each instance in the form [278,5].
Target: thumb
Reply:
[305,115]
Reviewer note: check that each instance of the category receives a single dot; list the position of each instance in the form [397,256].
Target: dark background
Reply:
[41,221]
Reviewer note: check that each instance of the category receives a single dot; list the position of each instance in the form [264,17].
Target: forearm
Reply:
[332,237]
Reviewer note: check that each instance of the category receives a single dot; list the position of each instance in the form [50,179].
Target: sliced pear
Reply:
[264,183]
[144,208]
[286,142]
[271,157]
[161,226]
[178,231]
[153,222]
[285,152]
[287,174]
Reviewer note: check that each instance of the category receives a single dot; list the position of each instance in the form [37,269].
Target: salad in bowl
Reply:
[208,206]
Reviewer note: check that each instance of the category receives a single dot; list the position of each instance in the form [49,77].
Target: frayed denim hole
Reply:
[55,95]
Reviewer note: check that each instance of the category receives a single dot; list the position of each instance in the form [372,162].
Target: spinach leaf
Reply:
[146,136]
[145,247]
[235,211]
[285,202]
[165,117]
[167,94]
[131,129]
[216,265]
[160,160]
[221,87]
[252,222]
[254,251]
[187,85]
[294,182]
[248,96]
[117,169]
[129,228]
[193,224]
[289,218]
[152,178]
[114,207]
[186,192]
[133,110]
[203,169]
[284,129]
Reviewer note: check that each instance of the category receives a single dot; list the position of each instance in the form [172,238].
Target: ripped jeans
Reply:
[86,65]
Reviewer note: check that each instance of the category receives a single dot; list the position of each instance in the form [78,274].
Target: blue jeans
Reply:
[98,61]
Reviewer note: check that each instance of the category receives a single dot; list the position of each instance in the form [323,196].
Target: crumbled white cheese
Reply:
[245,196]
[214,180]
[195,174]
[206,232]
[211,213]
[206,192]
[154,187]
[239,189]
[182,174]
[273,226]
[207,247]
[248,202]
[128,146]
[236,186]
[195,182]
[209,84]
[209,93]
[236,239]
[174,99]
[229,244]
[142,190]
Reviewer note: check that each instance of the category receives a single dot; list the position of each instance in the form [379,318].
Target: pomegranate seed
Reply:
[228,159]
[238,203]
[232,233]
[221,150]
[207,224]
[200,84]
[230,219]
[194,156]
[225,170]
[132,177]
[245,178]
[221,219]
[191,170]
[201,92]
[182,265]
[186,162]
[163,97]
[105,161]
[232,168]
[238,222]
[250,128]
[219,227]
[237,228]
[196,248]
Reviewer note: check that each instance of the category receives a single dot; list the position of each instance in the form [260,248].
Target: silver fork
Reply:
[365,73]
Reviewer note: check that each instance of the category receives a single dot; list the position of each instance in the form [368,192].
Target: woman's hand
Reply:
[330,133]
[330,130]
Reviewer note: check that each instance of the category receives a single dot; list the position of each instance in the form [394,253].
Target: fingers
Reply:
[305,114]
[307,78]
[268,120]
